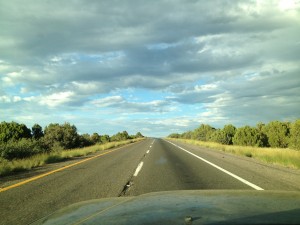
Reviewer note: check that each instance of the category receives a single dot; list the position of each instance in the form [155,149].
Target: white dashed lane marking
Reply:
[138,169]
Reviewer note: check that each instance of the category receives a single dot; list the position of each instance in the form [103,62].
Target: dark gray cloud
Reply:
[248,99]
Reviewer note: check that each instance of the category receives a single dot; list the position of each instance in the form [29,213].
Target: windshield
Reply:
[102,99]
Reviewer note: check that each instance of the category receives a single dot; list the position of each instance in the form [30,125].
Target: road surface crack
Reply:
[126,188]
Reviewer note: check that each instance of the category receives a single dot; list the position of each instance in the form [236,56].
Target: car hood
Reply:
[185,207]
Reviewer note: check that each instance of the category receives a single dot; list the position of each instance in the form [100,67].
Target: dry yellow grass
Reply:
[8,167]
[277,156]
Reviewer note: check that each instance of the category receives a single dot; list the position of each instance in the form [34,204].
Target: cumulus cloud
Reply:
[57,99]
[121,105]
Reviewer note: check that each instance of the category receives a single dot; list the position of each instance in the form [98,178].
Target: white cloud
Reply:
[123,106]
[5,99]
[57,99]
[10,99]
[288,4]
[86,87]
[56,59]
[17,99]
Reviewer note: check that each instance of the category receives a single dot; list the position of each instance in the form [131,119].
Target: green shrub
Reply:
[174,135]
[13,131]
[247,136]
[120,136]
[278,134]
[219,136]
[20,149]
[295,135]
[229,132]
[203,133]
[65,136]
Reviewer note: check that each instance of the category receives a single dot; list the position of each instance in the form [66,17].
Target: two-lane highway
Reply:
[147,166]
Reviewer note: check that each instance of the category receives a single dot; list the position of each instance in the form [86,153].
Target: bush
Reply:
[120,136]
[37,131]
[174,135]
[105,138]
[229,132]
[63,135]
[247,136]
[187,135]
[278,134]
[84,140]
[295,135]
[203,133]
[20,149]
[219,136]
[261,127]
[13,131]
[139,135]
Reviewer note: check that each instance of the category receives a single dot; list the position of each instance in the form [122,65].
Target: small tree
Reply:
[37,131]
[247,136]
[96,138]
[174,135]
[139,135]
[278,134]
[261,127]
[125,135]
[13,131]
[120,136]
[61,136]
[203,133]
[84,140]
[229,132]
[295,135]
[105,138]
[187,135]
[219,136]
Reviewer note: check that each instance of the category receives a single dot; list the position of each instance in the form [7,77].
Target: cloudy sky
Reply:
[152,66]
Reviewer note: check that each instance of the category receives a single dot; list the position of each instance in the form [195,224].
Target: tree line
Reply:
[275,134]
[18,141]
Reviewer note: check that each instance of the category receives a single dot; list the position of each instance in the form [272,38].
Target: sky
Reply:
[157,67]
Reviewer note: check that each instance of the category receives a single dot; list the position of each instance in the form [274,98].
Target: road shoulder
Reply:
[270,177]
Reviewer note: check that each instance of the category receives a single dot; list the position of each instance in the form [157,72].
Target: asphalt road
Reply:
[143,167]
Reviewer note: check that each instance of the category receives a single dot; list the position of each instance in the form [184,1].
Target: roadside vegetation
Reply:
[276,142]
[22,148]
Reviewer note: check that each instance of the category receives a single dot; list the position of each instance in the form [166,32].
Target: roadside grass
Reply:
[277,156]
[9,167]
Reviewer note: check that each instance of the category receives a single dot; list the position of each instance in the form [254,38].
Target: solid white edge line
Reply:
[138,169]
[219,168]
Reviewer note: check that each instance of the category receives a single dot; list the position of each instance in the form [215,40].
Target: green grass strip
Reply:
[9,167]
